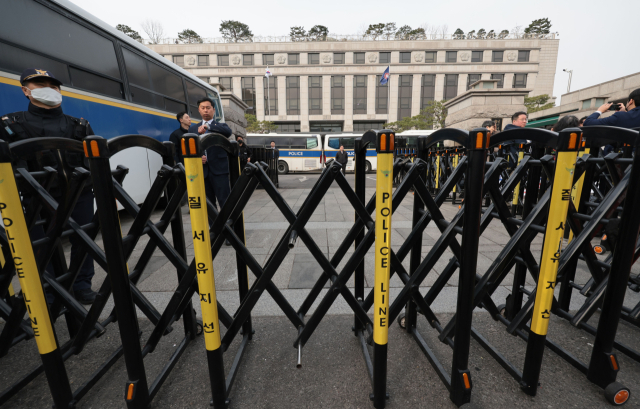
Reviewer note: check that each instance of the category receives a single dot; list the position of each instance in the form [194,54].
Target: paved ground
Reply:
[333,372]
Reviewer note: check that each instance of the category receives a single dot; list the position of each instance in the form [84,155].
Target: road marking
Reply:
[303,179]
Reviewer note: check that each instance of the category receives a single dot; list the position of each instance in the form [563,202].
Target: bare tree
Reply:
[444,29]
[154,30]
[433,31]
[517,31]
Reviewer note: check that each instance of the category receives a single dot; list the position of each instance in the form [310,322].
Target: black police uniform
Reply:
[39,122]
[245,153]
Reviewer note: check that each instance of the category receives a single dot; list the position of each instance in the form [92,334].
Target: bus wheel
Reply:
[367,167]
[283,168]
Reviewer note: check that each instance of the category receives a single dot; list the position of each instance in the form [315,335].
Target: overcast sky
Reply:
[598,39]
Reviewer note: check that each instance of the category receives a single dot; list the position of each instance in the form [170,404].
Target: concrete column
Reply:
[508,80]
[326,95]
[415,94]
[213,60]
[531,80]
[237,86]
[485,76]
[348,57]
[348,103]
[393,105]
[439,94]
[282,95]
[371,95]
[462,83]
[304,103]
[260,99]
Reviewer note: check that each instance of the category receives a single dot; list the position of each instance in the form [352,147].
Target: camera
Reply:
[614,107]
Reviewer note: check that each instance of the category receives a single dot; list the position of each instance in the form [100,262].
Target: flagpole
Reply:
[389,96]
[268,102]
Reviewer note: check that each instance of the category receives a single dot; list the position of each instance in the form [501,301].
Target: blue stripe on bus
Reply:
[332,154]
[106,121]
[291,153]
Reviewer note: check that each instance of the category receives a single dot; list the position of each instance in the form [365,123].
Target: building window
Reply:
[325,126]
[381,96]
[178,60]
[428,91]
[249,94]
[294,59]
[203,60]
[404,96]
[599,102]
[523,56]
[293,95]
[267,59]
[287,127]
[520,81]
[271,103]
[365,126]
[405,58]
[586,104]
[496,56]
[471,78]
[358,58]
[223,60]
[360,94]
[313,58]
[227,83]
[338,58]
[385,58]
[315,95]
[476,56]
[450,86]
[430,56]
[500,78]
[452,56]
[337,95]
[247,59]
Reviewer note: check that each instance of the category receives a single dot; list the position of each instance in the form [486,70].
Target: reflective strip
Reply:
[516,191]
[576,192]
[202,250]
[384,186]
[554,232]
[24,261]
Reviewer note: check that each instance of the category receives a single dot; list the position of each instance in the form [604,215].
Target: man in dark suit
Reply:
[628,116]
[518,120]
[276,152]
[185,122]
[342,158]
[215,161]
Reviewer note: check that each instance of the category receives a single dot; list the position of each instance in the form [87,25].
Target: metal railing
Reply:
[356,37]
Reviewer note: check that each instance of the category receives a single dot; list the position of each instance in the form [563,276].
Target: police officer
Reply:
[244,152]
[44,118]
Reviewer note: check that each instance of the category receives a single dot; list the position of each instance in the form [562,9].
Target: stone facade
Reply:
[584,102]
[539,70]
[234,110]
[482,103]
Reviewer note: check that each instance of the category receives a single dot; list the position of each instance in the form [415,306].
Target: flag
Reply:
[385,76]
[268,73]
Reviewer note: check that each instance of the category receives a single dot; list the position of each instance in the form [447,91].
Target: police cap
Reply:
[31,73]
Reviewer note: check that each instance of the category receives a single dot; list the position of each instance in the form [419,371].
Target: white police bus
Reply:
[298,152]
[117,84]
[332,144]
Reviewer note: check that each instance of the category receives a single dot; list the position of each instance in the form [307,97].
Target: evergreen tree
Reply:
[235,31]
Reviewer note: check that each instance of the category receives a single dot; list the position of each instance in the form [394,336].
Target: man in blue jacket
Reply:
[215,161]
[628,116]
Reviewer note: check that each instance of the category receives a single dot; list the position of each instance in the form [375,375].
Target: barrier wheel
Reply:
[502,308]
[402,321]
[617,394]
[283,168]
[367,167]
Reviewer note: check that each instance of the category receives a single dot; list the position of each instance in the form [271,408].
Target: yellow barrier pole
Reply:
[33,293]
[192,152]
[384,186]
[576,192]
[516,191]
[568,145]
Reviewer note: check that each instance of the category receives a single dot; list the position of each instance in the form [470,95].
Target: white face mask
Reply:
[47,96]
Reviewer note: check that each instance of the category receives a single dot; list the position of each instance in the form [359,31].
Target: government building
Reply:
[334,86]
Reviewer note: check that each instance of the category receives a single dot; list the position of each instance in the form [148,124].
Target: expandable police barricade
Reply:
[262,154]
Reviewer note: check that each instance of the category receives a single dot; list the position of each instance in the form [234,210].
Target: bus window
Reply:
[256,140]
[298,142]
[334,143]
[216,101]
[281,143]
[15,60]
[348,143]
[312,143]
[95,83]
[195,94]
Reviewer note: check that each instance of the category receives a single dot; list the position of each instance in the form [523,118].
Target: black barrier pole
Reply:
[604,366]
[137,389]
[568,145]
[26,268]
[192,153]
[477,153]
[384,187]
[360,153]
